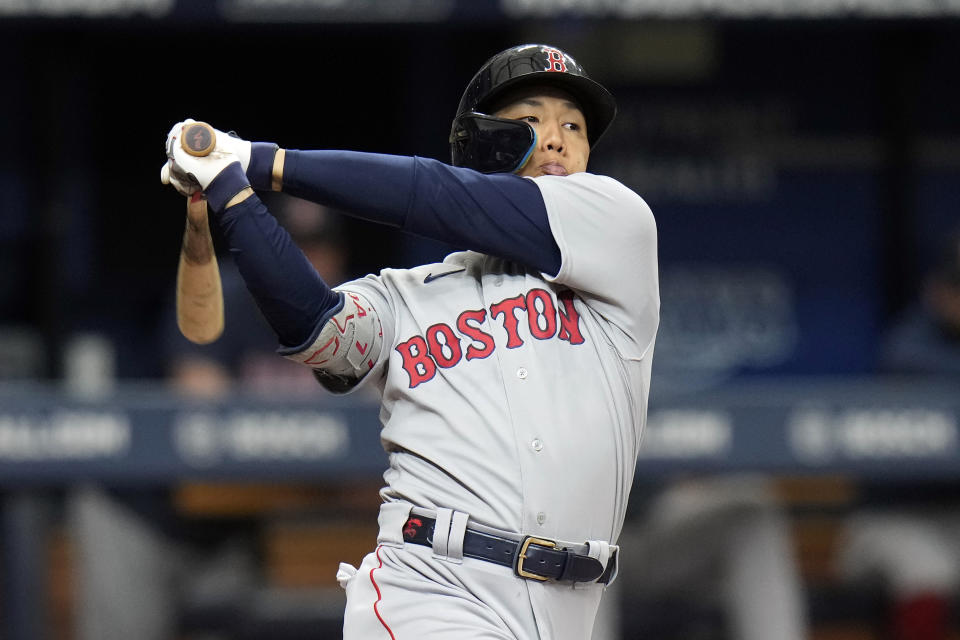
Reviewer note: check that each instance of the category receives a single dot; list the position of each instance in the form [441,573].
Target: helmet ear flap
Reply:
[490,145]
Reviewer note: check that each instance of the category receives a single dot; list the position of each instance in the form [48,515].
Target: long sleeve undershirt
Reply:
[498,214]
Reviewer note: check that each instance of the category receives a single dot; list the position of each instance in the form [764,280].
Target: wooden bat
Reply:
[199,291]
[198,139]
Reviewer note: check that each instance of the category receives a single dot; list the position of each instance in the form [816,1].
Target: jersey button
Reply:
[522,373]
[541,517]
[537,444]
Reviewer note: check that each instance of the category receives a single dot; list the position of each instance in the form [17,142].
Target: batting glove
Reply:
[221,174]
[173,175]
[229,149]
[255,158]
[227,143]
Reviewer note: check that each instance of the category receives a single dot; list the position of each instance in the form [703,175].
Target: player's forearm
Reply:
[501,215]
[291,294]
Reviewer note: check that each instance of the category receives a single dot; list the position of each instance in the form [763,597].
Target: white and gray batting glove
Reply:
[172,174]
[189,174]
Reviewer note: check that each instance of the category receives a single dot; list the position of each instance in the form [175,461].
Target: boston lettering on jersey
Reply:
[442,347]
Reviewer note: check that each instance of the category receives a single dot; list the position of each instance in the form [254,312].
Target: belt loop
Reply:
[441,532]
[458,530]
[391,519]
[608,556]
[600,550]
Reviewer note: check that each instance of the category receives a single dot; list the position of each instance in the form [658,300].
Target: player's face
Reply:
[562,146]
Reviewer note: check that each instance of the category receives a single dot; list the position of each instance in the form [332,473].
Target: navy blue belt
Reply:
[531,558]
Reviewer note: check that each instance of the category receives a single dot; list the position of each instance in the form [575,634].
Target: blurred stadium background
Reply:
[802,158]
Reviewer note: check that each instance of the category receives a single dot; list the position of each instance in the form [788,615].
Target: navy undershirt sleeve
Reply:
[498,214]
[291,294]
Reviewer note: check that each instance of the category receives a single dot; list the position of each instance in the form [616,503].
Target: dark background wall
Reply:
[802,171]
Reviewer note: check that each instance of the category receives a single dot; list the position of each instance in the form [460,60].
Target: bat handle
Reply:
[198,139]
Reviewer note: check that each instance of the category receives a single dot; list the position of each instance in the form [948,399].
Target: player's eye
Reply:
[573,126]
[530,119]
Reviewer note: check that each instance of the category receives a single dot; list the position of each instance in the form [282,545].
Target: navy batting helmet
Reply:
[488,144]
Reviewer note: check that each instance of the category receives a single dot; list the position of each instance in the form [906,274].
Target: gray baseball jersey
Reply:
[517,397]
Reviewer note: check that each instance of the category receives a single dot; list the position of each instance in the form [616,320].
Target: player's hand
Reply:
[186,172]
[173,175]
[227,142]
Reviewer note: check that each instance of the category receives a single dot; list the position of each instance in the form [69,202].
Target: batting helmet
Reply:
[488,144]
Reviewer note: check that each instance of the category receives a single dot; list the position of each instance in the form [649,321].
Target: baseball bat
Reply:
[199,302]
[198,139]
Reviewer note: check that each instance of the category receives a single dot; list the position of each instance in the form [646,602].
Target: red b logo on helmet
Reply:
[555,61]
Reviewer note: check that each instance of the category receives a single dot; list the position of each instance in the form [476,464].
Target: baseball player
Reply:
[513,376]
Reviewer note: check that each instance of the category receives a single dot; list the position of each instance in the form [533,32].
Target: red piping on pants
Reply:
[379,596]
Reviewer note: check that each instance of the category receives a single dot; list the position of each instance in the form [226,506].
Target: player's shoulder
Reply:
[599,181]
[612,187]
[574,199]
[593,180]
[591,186]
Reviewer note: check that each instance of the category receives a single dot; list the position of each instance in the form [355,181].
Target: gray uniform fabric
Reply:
[516,398]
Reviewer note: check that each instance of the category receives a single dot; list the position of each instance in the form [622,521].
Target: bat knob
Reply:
[198,139]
